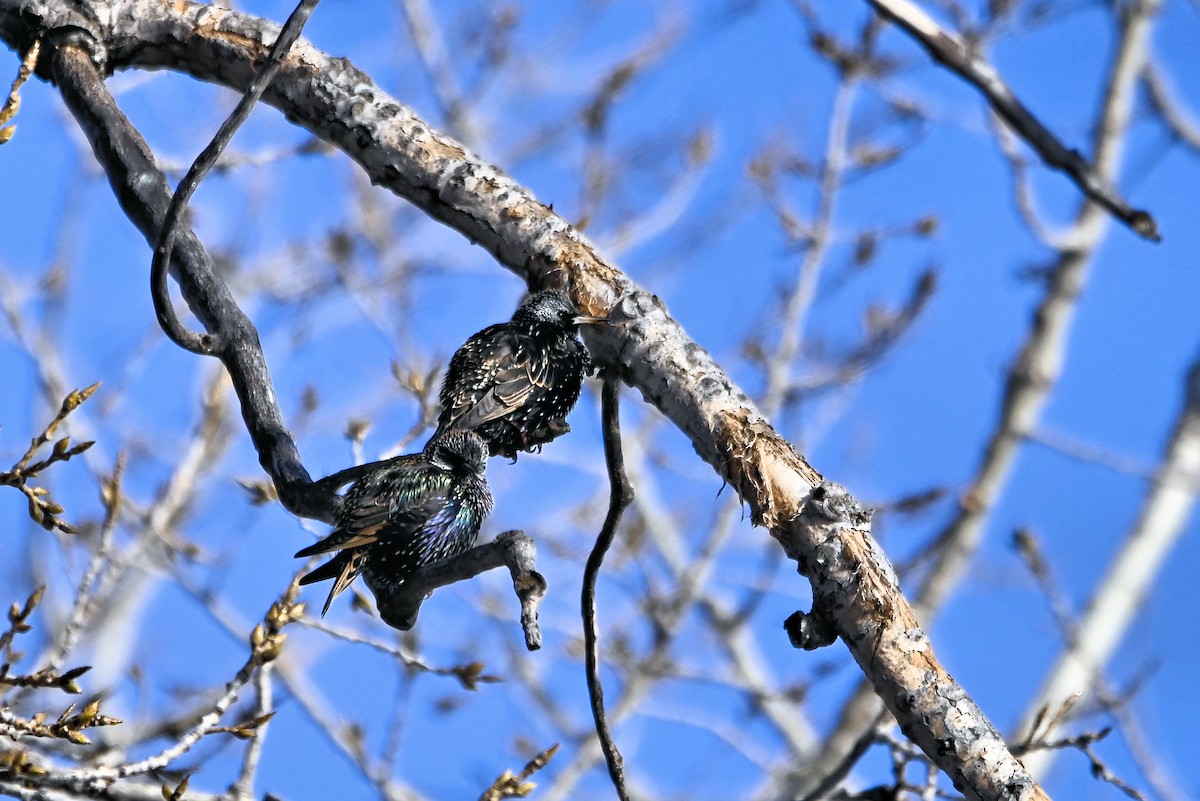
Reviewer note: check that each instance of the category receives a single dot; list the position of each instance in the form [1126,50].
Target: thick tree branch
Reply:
[853,584]
[144,195]
[1032,378]
[400,151]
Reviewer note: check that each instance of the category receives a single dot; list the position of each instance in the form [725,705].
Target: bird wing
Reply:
[369,523]
[360,527]
[369,505]
[507,372]
[370,513]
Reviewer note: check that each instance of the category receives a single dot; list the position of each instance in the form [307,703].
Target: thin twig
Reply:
[1181,123]
[13,102]
[294,681]
[622,495]
[243,788]
[209,344]
[1022,186]
[466,674]
[800,295]
[266,641]
[14,787]
[85,593]
[835,775]
[957,56]
[690,580]
[431,51]
[508,785]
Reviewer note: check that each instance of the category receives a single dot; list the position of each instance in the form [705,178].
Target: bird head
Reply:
[550,307]
[458,451]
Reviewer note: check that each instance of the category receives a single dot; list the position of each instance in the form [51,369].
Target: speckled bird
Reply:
[409,512]
[515,382]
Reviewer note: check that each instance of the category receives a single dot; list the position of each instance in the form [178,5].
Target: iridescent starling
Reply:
[409,512]
[515,382]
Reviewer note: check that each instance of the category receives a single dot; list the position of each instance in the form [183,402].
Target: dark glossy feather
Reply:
[514,383]
[409,512]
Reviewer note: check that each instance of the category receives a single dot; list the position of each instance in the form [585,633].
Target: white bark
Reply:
[1119,596]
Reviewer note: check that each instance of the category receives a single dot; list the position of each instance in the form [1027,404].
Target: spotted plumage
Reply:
[515,382]
[411,511]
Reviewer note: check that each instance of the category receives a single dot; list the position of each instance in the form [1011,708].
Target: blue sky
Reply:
[918,419]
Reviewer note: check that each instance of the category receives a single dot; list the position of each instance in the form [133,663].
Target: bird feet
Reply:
[532,441]
[535,439]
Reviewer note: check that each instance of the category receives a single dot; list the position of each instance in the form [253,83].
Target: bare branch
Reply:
[243,788]
[1161,522]
[620,498]
[211,344]
[401,152]
[469,675]
[144,195]
[512,549]
[15,787]
[952,52]
[266,641]
[431,51]
[835,775]
[13,102]
[801,294]
[1182,124]
[85,592]
[508,785]
[1030,380]
[42,509]
[895,652]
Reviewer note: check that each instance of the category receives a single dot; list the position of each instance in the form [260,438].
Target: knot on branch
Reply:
[73,31]
[829,508]
[829,516]
[813,630]
[833,503]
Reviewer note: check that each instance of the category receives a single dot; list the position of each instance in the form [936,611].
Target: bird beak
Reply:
[586,319]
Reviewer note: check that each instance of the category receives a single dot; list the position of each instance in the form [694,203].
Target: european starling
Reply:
[409,512]
[515,382]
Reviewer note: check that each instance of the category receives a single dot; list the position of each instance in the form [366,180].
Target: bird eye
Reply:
[453,462]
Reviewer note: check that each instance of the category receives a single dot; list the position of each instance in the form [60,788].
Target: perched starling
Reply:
[515,382]
[410,511]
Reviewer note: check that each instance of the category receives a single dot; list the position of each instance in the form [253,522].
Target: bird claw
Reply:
[533,441]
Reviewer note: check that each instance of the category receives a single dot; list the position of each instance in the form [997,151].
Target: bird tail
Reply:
[344,568]
[341,540]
